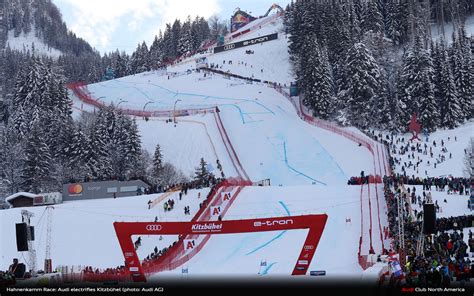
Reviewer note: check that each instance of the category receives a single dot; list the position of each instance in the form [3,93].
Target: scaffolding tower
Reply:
[25,217]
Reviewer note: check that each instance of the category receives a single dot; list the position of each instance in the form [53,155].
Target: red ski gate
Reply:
[315,224]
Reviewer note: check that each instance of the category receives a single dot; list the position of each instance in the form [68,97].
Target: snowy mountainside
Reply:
[25,42]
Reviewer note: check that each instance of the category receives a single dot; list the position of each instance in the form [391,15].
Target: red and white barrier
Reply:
[80,90]
[230,148]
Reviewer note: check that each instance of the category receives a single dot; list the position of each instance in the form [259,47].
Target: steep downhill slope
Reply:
[256,132]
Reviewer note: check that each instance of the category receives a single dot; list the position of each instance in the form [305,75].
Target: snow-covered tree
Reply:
[415,84]
[185,42]
[202,175]
[11,160]
[361,85]
[372,18]
[157,171]
[316,80]
[36,173]
[171,175]
[451,110]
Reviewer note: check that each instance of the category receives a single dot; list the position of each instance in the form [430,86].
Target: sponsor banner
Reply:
[154,227]
[212,227]
[215,211]
[245,43]
[133,269]
[75,189]
[225,196]
[315,223]
[317,272]
[189,244]
[271,223]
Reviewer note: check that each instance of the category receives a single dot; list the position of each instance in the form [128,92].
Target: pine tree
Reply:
[36,173]
[438,54]
[398,29]
[372,19]
[415,84]
[131,146]
[202,175]
[451,111]
[382,111]
[463,73]
[428,111]
[185,42]
[11,159]
[354,22]
[157,171]
[361,84]
[97,160]
[79,154]
[167,45]
[31,94]
[317,81]
[175,36]
[156,52]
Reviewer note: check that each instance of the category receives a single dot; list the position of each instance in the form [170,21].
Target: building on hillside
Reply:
[104,189]
[21,199]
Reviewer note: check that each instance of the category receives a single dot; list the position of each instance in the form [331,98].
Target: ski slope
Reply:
[308,167]
[241,254]
[265,130]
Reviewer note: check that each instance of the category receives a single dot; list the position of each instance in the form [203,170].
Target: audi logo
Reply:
[230,46]
[154,227]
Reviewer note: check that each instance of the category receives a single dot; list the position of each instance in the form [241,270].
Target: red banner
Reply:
[315,224]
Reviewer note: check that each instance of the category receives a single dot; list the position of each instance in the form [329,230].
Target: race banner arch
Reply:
[125,230]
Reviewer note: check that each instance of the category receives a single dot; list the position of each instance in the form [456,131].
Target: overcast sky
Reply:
[111,24]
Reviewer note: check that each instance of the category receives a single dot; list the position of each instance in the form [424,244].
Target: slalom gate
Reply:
[125,230]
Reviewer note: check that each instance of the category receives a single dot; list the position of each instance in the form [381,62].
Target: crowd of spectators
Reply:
[410,156]
[443,256]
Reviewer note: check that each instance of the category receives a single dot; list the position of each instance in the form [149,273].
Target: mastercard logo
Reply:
[75,189]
